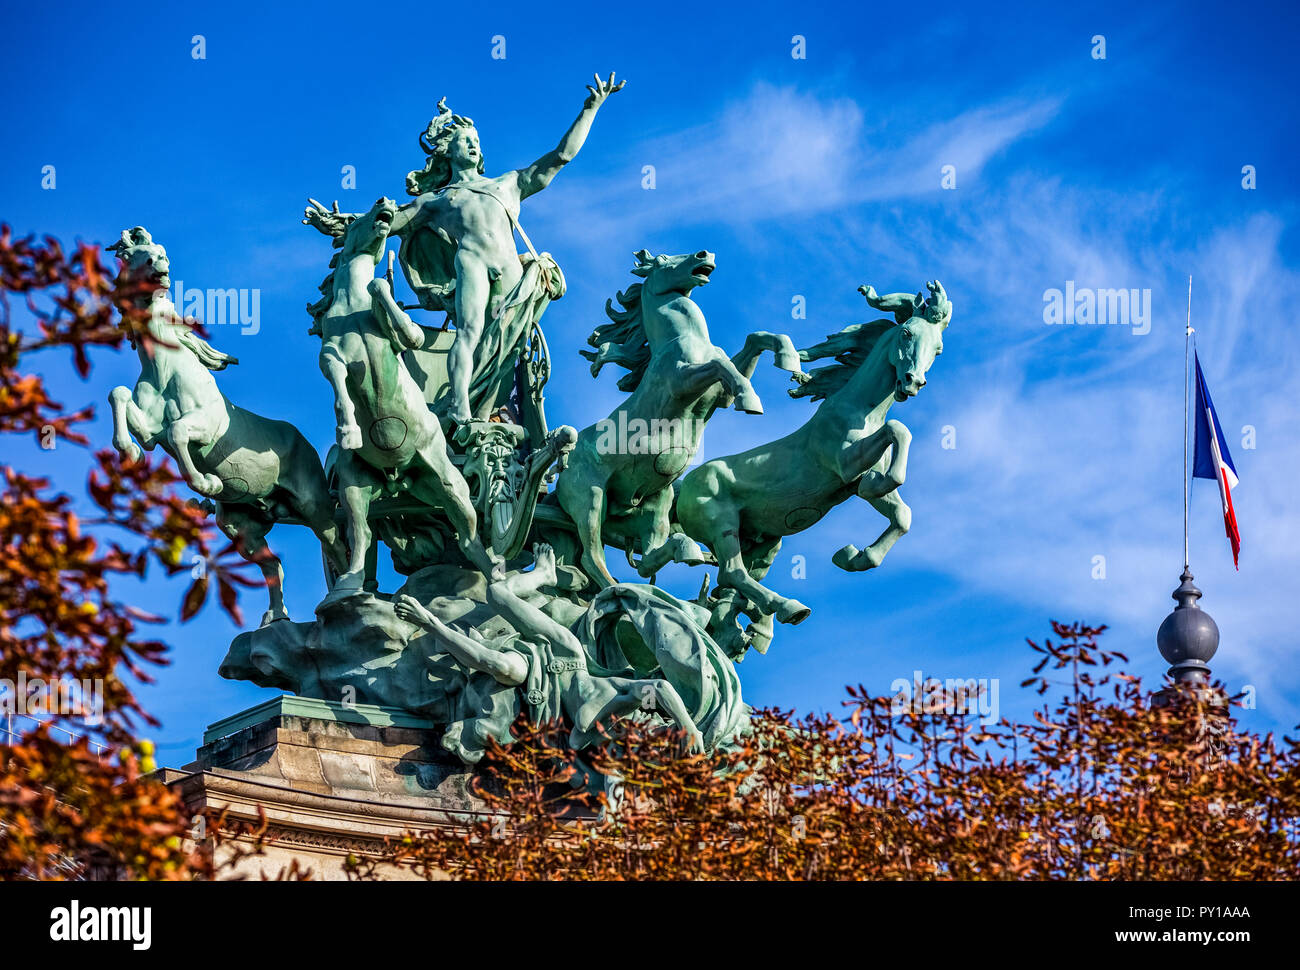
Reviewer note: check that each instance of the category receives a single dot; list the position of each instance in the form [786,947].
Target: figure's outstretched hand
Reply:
[602,90]
[330,222]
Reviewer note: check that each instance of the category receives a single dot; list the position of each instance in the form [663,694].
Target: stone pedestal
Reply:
[333,780]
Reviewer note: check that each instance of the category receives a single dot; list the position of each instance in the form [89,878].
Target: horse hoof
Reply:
[686,550]
[868,560]
[789,360]
[844,558]
[793,612]
[350,438]
[130,451]
[736,647]
[851,560]
[749,403]
[208,485]
[271,616]
[760,639]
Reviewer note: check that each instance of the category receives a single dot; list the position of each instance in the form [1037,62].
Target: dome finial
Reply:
[1188,637]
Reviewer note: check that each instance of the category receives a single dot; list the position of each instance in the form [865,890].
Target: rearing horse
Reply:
[388,439]
[742,506]
[617,487]
[257,471]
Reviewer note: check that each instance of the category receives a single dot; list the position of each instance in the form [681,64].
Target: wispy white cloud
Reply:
[966,142]
[780,153]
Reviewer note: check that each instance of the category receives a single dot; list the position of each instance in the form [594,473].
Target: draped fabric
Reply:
[659,636]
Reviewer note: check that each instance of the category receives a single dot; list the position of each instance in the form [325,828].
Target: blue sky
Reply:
[806,177]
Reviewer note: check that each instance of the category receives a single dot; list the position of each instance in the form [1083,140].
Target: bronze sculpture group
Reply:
[498,522]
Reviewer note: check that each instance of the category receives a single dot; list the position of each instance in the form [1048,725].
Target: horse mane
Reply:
[315,310]
[850,347]
[622,341]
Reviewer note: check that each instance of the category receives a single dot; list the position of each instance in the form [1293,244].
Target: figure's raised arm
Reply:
[901,305]
[506,667]
[538,175]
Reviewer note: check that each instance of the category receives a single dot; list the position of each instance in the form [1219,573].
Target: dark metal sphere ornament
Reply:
[1189,637]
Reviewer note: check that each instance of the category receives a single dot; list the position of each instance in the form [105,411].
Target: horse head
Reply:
[628,339]
[359,238]
[918,340]
[355,235]
[909,343]
[143,282]
[144,262]
[665,275]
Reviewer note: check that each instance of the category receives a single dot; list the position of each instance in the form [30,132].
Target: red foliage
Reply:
[1097,786]
[62,804]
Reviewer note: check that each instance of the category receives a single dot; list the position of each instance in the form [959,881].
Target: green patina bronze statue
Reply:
[618,487]
[388,439]
[549,663]
[459,256]
[499,523]
[743,505]
[251,471]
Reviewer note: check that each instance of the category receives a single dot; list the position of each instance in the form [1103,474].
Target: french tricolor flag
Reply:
[1212,458]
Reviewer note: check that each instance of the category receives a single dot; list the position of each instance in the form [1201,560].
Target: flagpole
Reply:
[1187,410]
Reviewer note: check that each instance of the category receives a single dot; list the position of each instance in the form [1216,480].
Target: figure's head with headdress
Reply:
[450,141]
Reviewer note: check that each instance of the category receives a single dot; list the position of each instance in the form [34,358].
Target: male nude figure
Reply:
[476,216]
